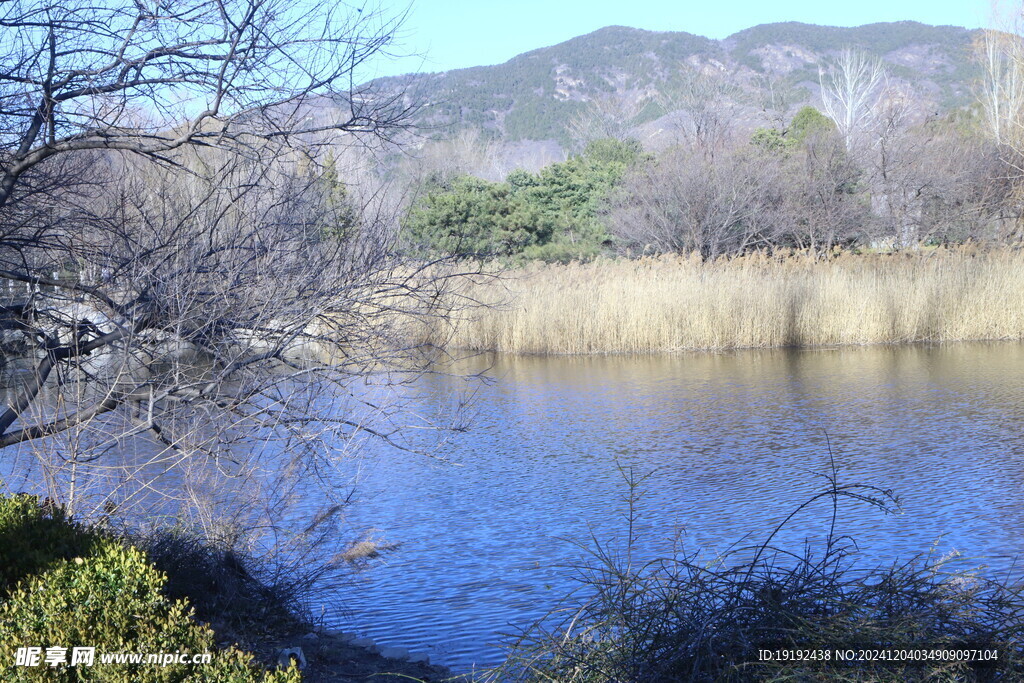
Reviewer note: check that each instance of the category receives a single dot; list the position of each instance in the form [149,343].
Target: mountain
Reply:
[648,77]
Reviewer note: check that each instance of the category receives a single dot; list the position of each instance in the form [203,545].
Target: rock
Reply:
[419,658]
[347,636]
[394,653]
[362,642]
[311,637]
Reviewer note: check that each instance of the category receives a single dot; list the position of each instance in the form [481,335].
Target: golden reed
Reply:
[677,303]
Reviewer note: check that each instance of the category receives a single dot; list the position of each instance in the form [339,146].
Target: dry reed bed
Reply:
[678,303]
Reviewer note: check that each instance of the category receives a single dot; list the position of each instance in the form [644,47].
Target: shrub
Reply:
[682,619]
[554,215]
[33,538]
[476,217]
[109,598]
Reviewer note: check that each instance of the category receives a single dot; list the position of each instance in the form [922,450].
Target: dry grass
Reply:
[675,303]
[688,618]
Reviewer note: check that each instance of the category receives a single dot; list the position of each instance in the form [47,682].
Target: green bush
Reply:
[554,215]
[474,217]
[808,125]
[33,538]
[110,598]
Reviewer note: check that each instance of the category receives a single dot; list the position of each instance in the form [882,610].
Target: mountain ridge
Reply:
[536,94]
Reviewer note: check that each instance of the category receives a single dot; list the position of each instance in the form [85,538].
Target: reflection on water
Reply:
[733,442]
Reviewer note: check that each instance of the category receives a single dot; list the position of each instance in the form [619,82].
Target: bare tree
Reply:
[218,316]
[606,116]
[967,194]
[1001,91]
[776,99]
[468,152]
[705,100]
[850,93]
[185,286]
[148,78]
[686,201]
[1001,96]
[896,175]
[931,181]
[825,205]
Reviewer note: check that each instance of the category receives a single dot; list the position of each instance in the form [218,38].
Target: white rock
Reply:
[291,655]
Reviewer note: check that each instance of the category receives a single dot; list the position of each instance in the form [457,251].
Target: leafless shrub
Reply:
[688,618]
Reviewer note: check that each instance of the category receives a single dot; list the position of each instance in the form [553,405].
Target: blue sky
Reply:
[450,34]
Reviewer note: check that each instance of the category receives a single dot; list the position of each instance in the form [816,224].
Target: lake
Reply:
[732,443]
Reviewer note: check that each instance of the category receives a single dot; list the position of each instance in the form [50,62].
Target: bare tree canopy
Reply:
[149,77]
[850,93]
[688,201]
[1001,91]
[177,264]
[706,99]
[606,116]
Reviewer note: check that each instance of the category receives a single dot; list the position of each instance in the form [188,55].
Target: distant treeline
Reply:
[805,184]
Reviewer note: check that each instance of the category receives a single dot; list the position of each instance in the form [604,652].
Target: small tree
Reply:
[342,214]
[809,124]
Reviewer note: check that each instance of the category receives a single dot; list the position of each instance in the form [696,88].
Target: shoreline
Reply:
[722,350]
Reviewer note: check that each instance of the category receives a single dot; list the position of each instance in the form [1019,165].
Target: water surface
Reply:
[732,443]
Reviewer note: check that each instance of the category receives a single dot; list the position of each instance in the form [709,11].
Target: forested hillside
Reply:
[645,80]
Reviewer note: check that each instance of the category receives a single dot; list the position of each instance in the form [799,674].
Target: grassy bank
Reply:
[674,303]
